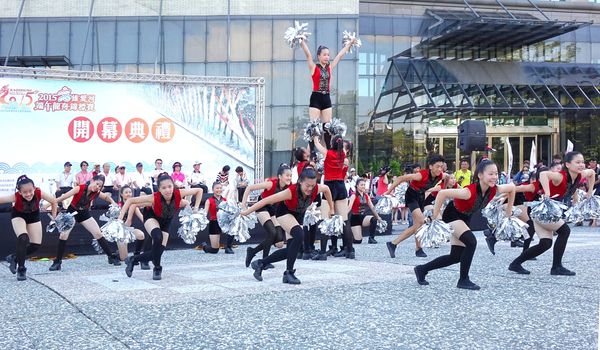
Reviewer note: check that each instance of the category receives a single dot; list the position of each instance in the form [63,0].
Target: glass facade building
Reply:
[245,38]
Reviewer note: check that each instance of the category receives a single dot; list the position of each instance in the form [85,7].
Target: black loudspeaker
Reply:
[471,136]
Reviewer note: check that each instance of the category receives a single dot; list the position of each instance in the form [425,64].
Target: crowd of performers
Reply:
[439,207]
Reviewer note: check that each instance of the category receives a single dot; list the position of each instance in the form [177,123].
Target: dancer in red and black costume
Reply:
[25,219]
[159,209]
[560,186]
[290,213]
[83,197]
[266,215]
[467,201]
[359,202]
[415,199]
[334,174]
[214,230]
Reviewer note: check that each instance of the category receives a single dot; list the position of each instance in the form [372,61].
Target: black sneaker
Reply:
[289,277]
[144,265]
[332,250]
[561,271]
[258,267]
[129,266]
[12,263]
[351,255]
[307,256]
[518,268]
[340,254]
[467,284]
[114,259]
[157,275]
[517,243]
[320,257]
[420,276]
[268,267]
[56,265]
[228,250]
[372,240]
[491,241]
[21,276]
[249,256]
[420,253]
[392,249]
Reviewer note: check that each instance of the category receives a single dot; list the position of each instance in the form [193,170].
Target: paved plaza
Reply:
[373,302]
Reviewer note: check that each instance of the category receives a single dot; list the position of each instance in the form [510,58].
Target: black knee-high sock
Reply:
[139,244]
[372,227]
[265,245]
[147,242]
[532,252]
[324,238]
[334,241]
[312,233]
[22,242]
[327,136]
[445,260]
[306,240]
[531,232]
[348,236]
[32,248]
[102,242]
[229,241]
[560,245]
[209,249]
[60,252]
[278,255]
[466,258]
[157,246]
[148,255]
[294,245]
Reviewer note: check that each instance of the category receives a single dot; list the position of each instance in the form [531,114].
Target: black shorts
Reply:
[430,200]
[164,224]
[414,200]
[214,228]
[452,214]
[283,210]
[269,208]
[338,189]
[320,101]
[30,218]
[519,199]
[356,219]
[81,215]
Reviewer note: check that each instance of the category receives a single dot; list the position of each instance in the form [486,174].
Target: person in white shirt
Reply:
[121,178]
[64,181]
[157,171]
[140,182]
[109,178]
[197,179]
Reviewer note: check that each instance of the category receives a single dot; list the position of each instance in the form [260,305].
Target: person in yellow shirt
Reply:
[463,175]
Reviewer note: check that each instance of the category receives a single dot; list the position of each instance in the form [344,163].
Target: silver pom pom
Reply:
[312,215]
[115,231]
[494,211]
[348,37]
[434,233]
[511,229]
[313,129]
[62,223]
[336,127]
[333,226]
[234,224]
[111,214]
[547,210]
[191,224]
[381,226]
[320,163]
[296,34]
[384,205]
[587,208]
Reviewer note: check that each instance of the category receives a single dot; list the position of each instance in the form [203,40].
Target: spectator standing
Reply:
[241,182]
[463,175]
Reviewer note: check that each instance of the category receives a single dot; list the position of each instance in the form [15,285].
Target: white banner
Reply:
[533,155]
[510,160]
[569,146]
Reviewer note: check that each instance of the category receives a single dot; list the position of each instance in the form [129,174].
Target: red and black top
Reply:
[360,203]
[427,181]
[82,200]
[24,206]
[537,190]
[321,77]
[298,203]
[214,206]
[301,166]
[333,167]
[274,188]
[476,201]
[165,210]
[566,188]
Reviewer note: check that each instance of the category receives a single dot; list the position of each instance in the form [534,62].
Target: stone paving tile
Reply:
[213,302]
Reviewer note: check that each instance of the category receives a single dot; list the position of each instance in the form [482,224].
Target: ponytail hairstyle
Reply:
[307,173]
[569,156]
[121,192]
[163,177]
[282,169]
[358,182]
[535,176]
[481,168]
[98,177]
[24,180]
[297,155]
[320,49]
